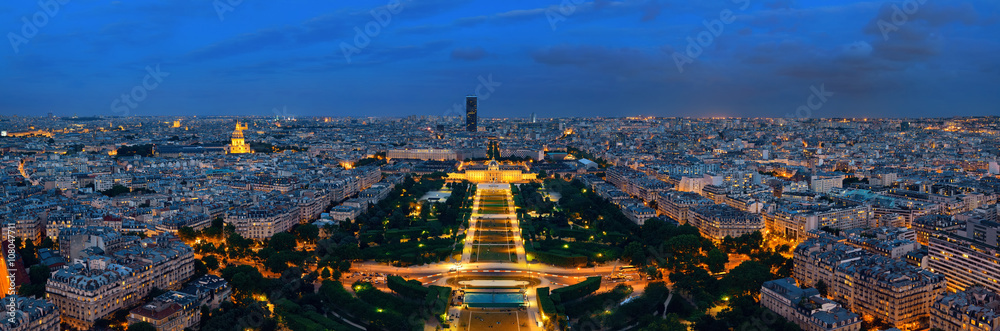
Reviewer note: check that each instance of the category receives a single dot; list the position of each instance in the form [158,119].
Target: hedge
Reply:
[438,299]
[561,260]
[434,297]
[291,313]
[545,304]
[578,290]
[410,289]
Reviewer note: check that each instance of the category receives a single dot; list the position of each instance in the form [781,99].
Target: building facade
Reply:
[806,308]
[720,221]
[974,309]
[471,113]
[492,172]
[29,314]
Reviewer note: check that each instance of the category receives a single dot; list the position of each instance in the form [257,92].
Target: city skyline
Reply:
[559,59]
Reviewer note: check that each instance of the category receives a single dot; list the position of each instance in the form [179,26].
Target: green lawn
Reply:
[493,237]
[486,253]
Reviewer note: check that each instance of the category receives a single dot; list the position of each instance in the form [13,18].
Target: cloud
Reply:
[468,54]
[245,43]
[779,4]
[621,62]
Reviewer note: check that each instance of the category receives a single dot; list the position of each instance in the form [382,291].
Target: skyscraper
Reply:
[471,112]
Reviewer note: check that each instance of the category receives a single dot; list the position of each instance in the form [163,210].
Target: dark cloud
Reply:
[651,11]
[468,54]
[251,42]
[779,4]
[622,62]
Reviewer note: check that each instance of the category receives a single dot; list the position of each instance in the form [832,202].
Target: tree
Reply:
[634,253]
[716,260]
[187,233]
[283,241]
[211,262]
[142,326]
[822,287]
[39,274]
[307,233]
[747,278]
[682,251]
[671,323]
[28,253]
[279,262]
[47,243]
[199,269]
[116,190]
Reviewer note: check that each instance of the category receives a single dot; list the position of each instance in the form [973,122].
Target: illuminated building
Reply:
[806,308]
[26,313]
[100,285]
[975,309]
[716,222]
[869,284]
[238,146]
[422,154]
[492,172]
[263,221]
[964,262]
[792,219]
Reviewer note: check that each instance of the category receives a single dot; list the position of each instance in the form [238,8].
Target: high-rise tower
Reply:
[471,113]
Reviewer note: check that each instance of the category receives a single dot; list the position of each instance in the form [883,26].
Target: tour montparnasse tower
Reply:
[238,146]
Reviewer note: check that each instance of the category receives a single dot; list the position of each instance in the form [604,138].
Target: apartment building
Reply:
[806,308]
[29,314]
[720,221]
[263,220]
[98,285]
[171,311]
[677,204]
[793,219]
[927,225]
[86,292]
[964,262]
[869,284]
[974,309]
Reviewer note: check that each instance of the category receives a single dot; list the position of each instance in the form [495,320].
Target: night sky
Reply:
[556,58]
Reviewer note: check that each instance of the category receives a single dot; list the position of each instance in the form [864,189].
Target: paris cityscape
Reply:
[221,165]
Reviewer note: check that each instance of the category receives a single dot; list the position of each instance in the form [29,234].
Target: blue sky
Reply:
[556,58]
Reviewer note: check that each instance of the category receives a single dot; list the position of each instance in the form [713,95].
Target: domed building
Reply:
[493,171]
[238,146]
